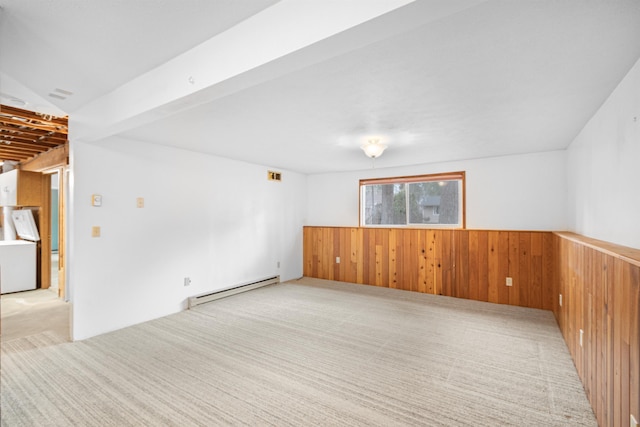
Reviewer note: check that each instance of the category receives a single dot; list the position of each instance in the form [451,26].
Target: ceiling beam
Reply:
[32,115]
[17,153]
[283,38]
[34,125]
[56,157]
[32,132]
[23,146]
[33,142]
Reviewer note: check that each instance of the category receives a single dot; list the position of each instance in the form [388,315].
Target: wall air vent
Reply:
[274,176]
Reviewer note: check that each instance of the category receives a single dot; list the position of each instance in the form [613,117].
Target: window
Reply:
[426,200]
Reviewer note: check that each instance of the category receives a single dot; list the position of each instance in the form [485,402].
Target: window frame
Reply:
[435,177]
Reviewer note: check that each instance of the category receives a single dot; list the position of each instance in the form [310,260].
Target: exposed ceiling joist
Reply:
[25,134]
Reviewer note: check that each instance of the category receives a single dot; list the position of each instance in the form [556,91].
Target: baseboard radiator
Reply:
[236,289]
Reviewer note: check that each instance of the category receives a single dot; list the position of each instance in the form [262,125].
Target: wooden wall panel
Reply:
[474,262]
[599,283]
[600,286]
[470,264]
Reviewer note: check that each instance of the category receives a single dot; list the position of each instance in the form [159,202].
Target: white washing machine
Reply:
[18,257]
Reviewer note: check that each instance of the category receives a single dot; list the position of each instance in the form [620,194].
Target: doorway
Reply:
[56,210]
[55,228]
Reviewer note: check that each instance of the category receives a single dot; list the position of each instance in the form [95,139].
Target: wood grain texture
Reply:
[470,264]
[599,282]
[57,157]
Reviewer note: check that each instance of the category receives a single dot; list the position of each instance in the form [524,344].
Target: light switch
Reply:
[140,202]
[96,200]
[95,231]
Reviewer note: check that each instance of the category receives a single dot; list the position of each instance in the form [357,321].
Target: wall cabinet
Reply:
[20,188]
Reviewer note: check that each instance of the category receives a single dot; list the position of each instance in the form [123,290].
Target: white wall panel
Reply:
[217,221]
[523,192]
[603,169]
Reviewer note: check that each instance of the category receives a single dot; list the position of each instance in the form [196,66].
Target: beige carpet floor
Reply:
[31,312]
[306,352]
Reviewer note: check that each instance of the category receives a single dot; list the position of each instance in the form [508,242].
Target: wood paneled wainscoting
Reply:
[472,264]
[599,283]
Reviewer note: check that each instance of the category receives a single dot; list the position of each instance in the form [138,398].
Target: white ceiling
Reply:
[492,79]
[90,47]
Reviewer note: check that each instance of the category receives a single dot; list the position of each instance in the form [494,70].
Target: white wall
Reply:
[604,169]
[217,221]
[522,192]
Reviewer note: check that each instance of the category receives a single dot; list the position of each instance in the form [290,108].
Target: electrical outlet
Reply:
[560,300]
[140,202]
[95,231]
[337,260]
[509,281]
[581,337]
[187,281]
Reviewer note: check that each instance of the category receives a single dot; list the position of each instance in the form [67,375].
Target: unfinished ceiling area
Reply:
[25,134]
[300,85]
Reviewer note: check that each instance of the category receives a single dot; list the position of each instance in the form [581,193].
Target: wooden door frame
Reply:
[62,176]
[55,160]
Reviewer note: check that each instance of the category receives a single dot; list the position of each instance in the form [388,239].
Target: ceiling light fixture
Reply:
[373,148]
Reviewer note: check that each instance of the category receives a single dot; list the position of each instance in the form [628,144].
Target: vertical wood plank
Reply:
[535,296]
[431,262]
[439,276]
[360,255]
[514,268]
[336,253]
[317,244]
[625,347]
[474,276]
[587,322]
[43,217]
[578,309]
[400,250]
[379,248]
[634,336]
[446,260]
[494,266]
[483,266]
[320,251]
[598,327]
[503,267]
[366,259]
[610,366]
[462,269]
[384,279]
[617,344]
[524,268]
[353,256]
[308,243]
[548,294]
[393,265]
[422,260]
[412,260]
[345,254]
[371,251]
[403,249]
